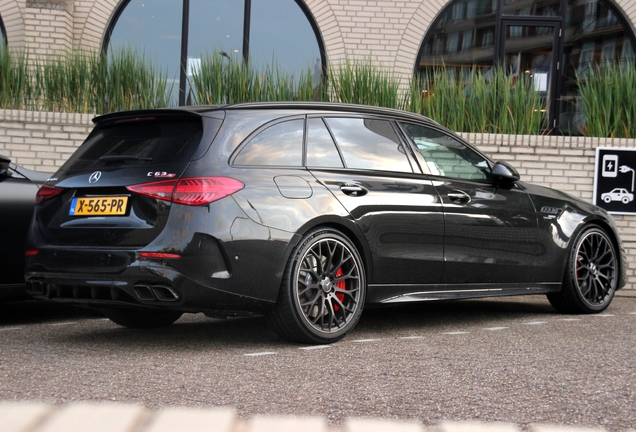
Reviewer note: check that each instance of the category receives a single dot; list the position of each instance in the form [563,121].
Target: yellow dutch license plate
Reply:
[99,206]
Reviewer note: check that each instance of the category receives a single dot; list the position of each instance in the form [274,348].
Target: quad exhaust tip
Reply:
[162,293]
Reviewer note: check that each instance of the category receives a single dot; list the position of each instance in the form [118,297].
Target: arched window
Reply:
[553,41]
[174,32]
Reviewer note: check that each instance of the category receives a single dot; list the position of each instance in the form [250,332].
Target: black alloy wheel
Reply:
[141,318]
[591,275]
[323,290]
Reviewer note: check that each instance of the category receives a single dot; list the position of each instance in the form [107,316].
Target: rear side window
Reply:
[278,145]
[369,144]
[321,150]
[149,142]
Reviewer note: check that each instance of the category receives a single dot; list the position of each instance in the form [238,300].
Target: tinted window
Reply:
[278,32]
[446,156]
[321,150]
[369,144]
[278,145]
[146,142]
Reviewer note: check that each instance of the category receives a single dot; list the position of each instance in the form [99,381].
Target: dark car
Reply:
[304,212]
[18,187]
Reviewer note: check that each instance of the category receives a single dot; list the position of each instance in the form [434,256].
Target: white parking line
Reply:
[64,323]
[364,340]
[315,347]
[570,319]
[10,328]
[495,328]
[631,313]
[260,354]
[604,315]
[411,337]
[455,333]
[535,323]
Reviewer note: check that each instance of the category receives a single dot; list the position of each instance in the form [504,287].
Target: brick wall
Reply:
[43,141]
[48,27]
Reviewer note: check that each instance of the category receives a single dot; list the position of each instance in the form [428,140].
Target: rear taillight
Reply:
[159,255]
[190,191]
[46,192]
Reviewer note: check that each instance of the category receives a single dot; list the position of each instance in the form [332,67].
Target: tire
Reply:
[323,290]
[607,199]
[625,200]
[141,318]
[591,274]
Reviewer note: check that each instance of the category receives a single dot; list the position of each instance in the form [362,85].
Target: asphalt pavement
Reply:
[509,359]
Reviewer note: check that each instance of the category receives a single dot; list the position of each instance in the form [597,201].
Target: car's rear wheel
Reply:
[323,289]
[591,275]
[142,318]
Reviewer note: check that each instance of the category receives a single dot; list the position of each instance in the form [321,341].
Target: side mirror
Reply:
[4,165]
[503,171]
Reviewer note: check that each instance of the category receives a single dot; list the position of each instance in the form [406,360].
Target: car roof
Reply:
[318,107]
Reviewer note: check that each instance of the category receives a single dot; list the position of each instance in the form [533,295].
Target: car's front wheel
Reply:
[323,289]
[591,274]
[141,318]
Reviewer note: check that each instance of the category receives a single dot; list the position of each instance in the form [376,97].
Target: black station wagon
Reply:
[304,212]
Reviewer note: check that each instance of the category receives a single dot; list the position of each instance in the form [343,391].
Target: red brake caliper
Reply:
[341,285]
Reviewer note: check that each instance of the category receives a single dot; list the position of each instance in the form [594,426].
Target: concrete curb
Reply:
[115,417]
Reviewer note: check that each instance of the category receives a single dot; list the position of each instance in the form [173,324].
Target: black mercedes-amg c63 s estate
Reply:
[304,212]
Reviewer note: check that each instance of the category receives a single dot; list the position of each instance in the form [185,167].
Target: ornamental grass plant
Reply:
[360,82]
[464,100]
[81,82]
[474,101]
[15,81]
[608,102]
[223,80]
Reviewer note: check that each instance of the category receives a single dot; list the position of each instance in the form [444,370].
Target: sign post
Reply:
[614,179]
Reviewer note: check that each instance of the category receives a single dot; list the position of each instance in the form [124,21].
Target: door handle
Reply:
[459,196]
[353,190]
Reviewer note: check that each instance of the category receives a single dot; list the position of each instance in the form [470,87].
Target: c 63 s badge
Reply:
[162,174]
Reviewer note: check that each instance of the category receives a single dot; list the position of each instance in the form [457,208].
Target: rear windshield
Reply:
[147,142]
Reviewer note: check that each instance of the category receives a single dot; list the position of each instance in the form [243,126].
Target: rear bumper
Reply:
[153,286]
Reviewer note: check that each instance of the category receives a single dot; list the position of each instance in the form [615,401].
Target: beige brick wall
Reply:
[43,141]
[48,28]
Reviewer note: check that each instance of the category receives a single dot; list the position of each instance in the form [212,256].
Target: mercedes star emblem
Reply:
[94,178]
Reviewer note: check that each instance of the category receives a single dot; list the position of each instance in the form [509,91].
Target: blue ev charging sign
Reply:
[614,179]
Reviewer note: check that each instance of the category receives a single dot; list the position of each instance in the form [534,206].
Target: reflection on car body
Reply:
[305,212]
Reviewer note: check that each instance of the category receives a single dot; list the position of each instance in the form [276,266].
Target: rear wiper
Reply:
[120,158]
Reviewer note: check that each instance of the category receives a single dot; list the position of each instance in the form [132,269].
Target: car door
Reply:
[17,199]
[490,229]
[374,176]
